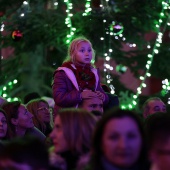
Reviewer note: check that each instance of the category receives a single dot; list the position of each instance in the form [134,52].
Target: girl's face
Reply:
[3,125]
[24,119]
[43,112]
[84,53]
[121,142]
[57,136]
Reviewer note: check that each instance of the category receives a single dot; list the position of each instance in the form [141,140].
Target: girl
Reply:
[77,79]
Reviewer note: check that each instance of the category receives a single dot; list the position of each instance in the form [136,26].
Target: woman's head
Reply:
[73,130]
[77,48]
[40,109]
[119,138]
[18,115]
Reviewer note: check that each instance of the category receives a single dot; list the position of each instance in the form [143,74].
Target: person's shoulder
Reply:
[37,133]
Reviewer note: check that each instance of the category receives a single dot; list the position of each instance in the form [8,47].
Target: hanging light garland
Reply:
[88,8]
[68,21]
[155,51]
[6,88]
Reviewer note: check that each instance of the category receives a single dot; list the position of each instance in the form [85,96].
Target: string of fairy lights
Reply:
[150,56]
[109,32]
[68,21]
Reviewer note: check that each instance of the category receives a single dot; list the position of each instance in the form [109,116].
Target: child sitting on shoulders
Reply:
[77,79]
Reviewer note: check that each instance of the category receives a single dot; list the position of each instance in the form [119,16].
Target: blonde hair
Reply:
[78,126]
[32,107]
[72,49]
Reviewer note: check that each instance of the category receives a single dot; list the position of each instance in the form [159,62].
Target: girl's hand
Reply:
[100,95]
[87,94]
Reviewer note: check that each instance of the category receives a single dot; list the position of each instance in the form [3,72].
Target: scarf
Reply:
[85,77]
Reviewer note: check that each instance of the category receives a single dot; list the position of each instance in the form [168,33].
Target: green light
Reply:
[15,99]
[130,106]
[10,83]
[4,88]
[134,102]
[15,81]
[4,95]
[123,107]
[9,99]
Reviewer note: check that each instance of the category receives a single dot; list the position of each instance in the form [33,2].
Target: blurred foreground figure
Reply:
[158,135]
[71,136]
[26,153]
[118,142]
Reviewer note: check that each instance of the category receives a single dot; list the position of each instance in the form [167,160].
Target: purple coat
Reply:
[65,88]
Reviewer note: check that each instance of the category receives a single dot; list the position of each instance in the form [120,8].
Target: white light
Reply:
[22,15]
[147,66]
[138,89]
[25,3]
[148,46]
[149,55]
[148,74]
[149,62]
[112,92]
[143,84]
[107,58]
[111,68]
[107,66]
[134,102]
[156,51]
[141,77]
[4,95]
[134,96]
[164,86]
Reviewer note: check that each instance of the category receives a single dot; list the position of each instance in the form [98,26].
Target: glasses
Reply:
[43,109]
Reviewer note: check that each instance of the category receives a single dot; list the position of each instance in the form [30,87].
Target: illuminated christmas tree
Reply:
[133,34]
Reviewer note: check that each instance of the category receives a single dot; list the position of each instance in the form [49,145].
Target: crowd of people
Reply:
[84,129]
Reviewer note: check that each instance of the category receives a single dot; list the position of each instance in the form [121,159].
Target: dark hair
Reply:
[114,113]
[27,149]
[157,127]
[11,109]
[31,96]
[9,132]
